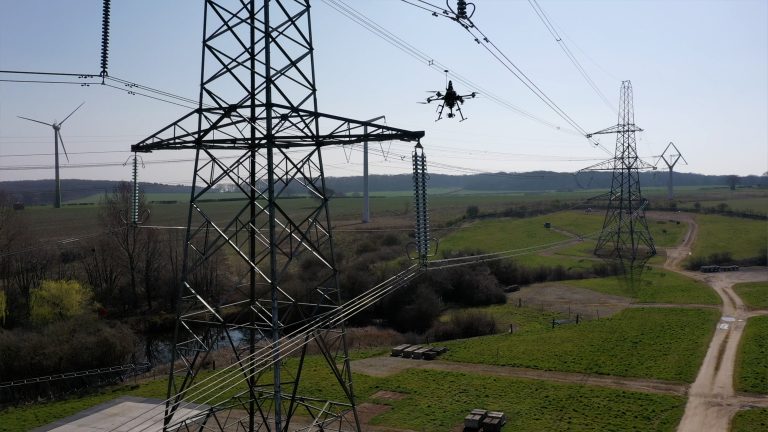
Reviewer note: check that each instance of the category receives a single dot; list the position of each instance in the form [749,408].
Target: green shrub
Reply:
[58,300]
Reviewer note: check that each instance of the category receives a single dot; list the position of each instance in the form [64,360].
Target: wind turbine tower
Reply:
[671,160]
[56,140]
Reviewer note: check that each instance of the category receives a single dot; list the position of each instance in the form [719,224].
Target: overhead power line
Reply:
[120,84]
[483,40]
[72,153]
[424,58]
[561,43]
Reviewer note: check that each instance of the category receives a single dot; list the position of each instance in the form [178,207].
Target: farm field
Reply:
[666,344]
[754,294]
[751,373]
[743,238]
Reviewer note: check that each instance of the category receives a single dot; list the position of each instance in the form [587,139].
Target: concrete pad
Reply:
[125,414]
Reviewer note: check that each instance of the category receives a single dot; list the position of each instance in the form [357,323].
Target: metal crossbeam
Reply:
[228,130]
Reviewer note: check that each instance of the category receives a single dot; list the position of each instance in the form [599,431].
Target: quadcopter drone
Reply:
[449,99]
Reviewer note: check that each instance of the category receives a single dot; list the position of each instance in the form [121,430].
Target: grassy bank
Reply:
[666,344]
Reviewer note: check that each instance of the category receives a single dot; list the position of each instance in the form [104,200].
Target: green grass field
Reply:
[511,233]
[754,294]
[743,238]
[750,420]
[436,401]
[667,233]
[666,344]
[500,235]
[656,286]
[751,374]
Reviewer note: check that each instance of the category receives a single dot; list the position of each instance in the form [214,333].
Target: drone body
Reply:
[451,100]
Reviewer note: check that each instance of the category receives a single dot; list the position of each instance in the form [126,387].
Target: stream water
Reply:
[156,348]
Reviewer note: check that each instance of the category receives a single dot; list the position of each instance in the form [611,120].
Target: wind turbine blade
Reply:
[61,140]
[33,120]
[70,114]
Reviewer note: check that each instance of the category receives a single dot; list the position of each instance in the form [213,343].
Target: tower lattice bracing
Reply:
[625,235]
[259,278]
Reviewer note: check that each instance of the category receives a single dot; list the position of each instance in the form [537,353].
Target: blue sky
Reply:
[699,70]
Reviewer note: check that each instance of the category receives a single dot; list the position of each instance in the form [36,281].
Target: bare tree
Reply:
[102,271]
[131,241]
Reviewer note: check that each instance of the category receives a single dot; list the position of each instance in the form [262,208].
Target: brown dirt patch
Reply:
[366,411]
[390,395]
[384,366]
[564,298]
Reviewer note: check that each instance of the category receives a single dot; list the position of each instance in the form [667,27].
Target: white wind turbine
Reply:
[56,140]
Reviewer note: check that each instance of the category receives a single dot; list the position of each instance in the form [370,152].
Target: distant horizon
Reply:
[664,171]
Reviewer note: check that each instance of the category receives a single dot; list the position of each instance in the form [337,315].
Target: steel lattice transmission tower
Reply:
[625,235]
[257,127]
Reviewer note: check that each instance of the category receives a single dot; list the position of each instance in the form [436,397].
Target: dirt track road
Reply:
[712,401]
[386,366]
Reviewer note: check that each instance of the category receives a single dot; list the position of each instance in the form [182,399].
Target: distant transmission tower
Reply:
[625,235]
[257,126]
[671,159]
